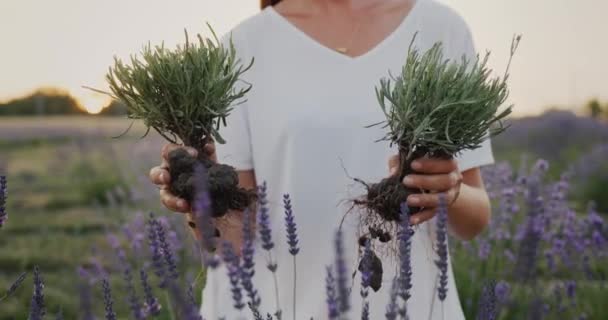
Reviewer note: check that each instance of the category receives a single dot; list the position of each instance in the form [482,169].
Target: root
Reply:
[222,181]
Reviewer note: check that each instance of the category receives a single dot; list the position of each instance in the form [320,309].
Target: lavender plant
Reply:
[542,251]
[568,258]
[185,95]
[435,107]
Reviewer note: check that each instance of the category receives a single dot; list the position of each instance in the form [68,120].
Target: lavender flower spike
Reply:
[231,260]
[107,300]
[366,270]
[157,258]
[332,299]
[13,288]
[132,298]
[203,218]
[248,267]
[391,308]
[151,305]
[85,301]
[166,250]
[290,225]
[292,241]
[442,248]
[264,218]
[37,309]
[3,194]
[405,252]
[341,274]
[487,304]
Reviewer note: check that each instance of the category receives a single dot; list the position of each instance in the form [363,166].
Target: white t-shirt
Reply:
[303,131]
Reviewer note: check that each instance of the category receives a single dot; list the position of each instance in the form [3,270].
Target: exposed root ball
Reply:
[222,181]
[385,198]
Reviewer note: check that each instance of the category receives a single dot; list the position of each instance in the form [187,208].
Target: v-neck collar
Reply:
[369,53]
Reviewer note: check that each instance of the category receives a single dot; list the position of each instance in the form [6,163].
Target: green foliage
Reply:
[184,93]
[440,106]
[42,102]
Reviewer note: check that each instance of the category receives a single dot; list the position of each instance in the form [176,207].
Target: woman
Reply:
[302,130]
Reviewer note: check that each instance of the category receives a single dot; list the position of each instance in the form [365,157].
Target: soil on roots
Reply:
[384,199]
[222,182]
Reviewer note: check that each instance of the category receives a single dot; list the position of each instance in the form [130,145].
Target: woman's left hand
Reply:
[434,175]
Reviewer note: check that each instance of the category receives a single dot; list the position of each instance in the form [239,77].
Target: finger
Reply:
[433,182]
[160,176]
[210,151]
[434,165]
[393,164]
[423,216]
[172,202]
[430,200]
[426,200]
[210,148]
[166,150]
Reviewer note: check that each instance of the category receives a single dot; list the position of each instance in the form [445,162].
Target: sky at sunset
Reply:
[70,43]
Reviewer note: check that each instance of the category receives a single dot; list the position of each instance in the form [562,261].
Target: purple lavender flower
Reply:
[85,301]
[192,310]
[132,298]
[365,311]
[264,218]
[290,225]
[13,288]
[525,265]
[37,308]
[341,273]
[502,291]
[231,260]
[571,289]
[134,232]
[487,303]
[107,300]
[392,306]
[151,305]
[366,269]
[484,249]
[248,267]
[183,304]
[405,261]
[442,248]
[202,216]
[330,291]
[292,241]
[157,258]
[166,250]
[3,195]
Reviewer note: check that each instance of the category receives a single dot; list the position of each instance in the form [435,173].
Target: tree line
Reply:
[45,102]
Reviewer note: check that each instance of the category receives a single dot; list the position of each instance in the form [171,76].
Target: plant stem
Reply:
[276,287]
[169,306]
[294,287]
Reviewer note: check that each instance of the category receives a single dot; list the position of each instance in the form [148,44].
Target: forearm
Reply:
[470,213]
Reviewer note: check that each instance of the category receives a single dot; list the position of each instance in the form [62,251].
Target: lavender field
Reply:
[78,205]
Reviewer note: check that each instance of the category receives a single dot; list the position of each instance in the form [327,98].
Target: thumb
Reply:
[393,164]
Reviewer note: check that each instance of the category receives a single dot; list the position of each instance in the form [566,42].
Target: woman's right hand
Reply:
[161,177]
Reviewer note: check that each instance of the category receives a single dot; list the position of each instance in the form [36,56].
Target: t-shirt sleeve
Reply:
[237,150]
[469,159]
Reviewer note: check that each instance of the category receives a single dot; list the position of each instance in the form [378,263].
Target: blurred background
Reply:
[72,184]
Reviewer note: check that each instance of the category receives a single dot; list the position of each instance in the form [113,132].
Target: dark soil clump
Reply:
[222,181]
